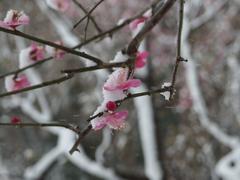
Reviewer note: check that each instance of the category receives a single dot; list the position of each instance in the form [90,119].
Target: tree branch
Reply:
[88,14]
[44,84]
[178,53]
[114,29]
[93,68]
[20,125]
[134,44]
[17,71]
[52,44]
[69,74]
[85,132]
[88,129]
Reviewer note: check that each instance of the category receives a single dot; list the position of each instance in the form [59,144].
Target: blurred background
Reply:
[195,137]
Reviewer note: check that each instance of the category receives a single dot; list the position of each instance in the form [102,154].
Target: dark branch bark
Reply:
[134,44]
[38,125]
[52,44]
[178,53]
[17,71]
[44,84]
[89,15]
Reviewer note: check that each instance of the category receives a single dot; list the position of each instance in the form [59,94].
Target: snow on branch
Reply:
[198,101]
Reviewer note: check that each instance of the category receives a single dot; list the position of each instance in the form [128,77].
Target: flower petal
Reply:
[117,120]
[141,59]
[15,18]
[21,82]
[131,83]
[13,84]
[98,123]
[133,25]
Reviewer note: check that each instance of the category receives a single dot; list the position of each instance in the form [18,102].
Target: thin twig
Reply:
[178,53]
[114,29]
[52,44]
[85,29]
[148,93]
[25,68]
[80,137]
[160,9]
[88,14]
[67,126]
[149,25]
[69,74]
[96,67]
[44,84]
[95,116]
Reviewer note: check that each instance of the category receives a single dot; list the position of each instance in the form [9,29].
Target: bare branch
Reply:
[134,44]
[178,54]
[93,68]
[114,29]
[44,84]
[52,44]
[25,68]
[88,13]
[38,125]
[81,136]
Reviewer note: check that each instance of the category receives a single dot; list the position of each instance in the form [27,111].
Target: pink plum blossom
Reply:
[57,53]
[14,19]
[141,59]
[124,85]
[115,120]
[14,84]
[116,84]
[59,5]
[118,81]
[37,52]
[134,24]
[15,120]
[31,55]
[111,106]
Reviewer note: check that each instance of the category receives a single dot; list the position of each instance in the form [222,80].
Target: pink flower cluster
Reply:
[31,55]
[57,53]
[14,19]
[36,52]
[114,120]
[28,56]
[16,83]
[114,89]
